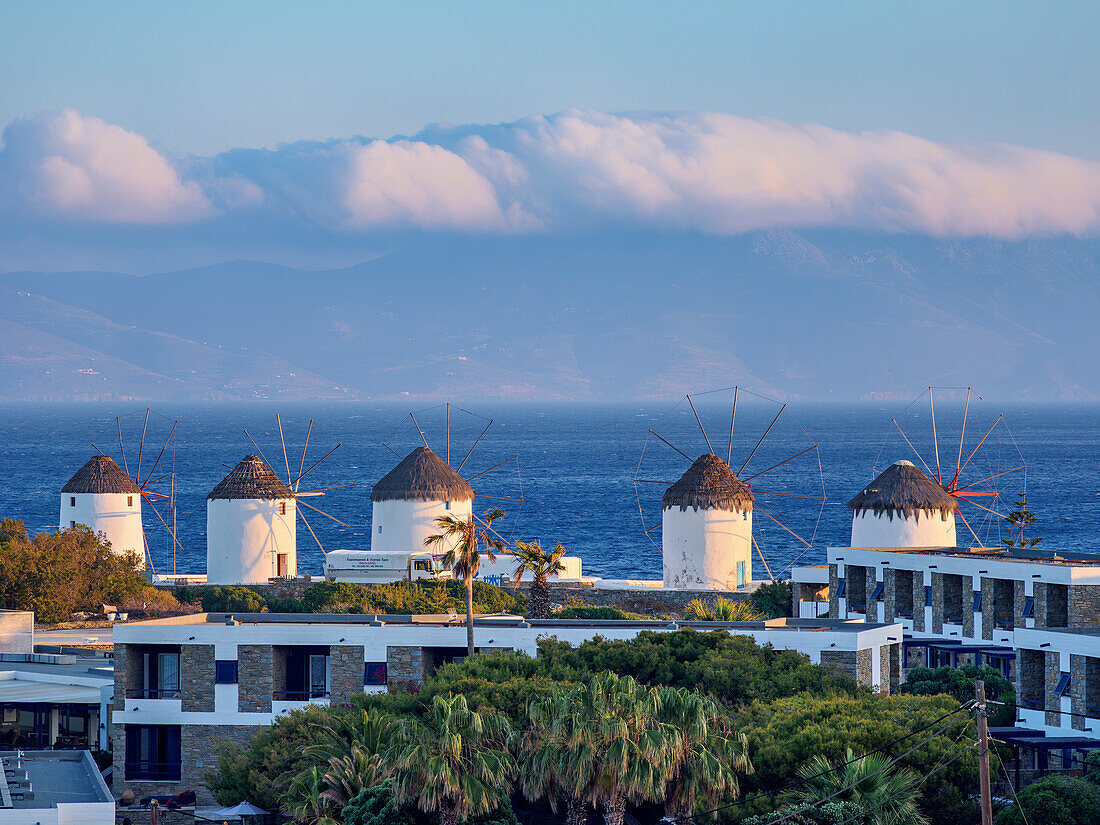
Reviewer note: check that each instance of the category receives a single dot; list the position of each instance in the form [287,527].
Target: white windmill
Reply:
[907,505]
[707,534]
[102,496]
[251,518]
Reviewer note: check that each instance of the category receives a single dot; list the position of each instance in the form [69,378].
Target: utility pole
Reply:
[983,753]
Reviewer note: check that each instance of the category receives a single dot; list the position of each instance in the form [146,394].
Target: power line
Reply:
[965,707]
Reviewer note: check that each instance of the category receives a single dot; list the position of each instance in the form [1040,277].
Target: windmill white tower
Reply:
[907,506]
[251,518]
[407,500]
[707,538]
[706,528]
[103,497]
[106,500]
[903,508]
[251,521]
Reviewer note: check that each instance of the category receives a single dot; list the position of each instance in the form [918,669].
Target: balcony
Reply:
[284,701]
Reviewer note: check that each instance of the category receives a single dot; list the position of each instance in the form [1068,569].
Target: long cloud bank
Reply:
[573,171]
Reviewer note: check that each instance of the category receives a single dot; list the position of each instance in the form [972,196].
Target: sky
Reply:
[285,131]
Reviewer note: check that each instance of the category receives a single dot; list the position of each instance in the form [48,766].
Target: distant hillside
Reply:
[822,315]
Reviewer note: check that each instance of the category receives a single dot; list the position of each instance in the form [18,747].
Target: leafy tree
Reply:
[504,682]
[530,556]
[733,669]
[774,599]
[1063,799]
[959,683]
[1018,519]
[886,794]
[548,769]
[306,800]
[706,757]
[68,571]
[830,813]
[788,732]
[464,538]
[376,806]
[453,760]
[721,610]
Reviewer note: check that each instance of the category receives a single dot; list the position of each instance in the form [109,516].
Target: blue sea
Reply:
[569,472]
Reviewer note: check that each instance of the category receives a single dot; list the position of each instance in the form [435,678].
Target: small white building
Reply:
[106,500]
[251,527]
[706,528]
[53,788]
[903,507]
[410,497]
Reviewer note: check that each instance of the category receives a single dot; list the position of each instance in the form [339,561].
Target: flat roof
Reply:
[1035,556]
[507,620]
[57,777]
[28,692]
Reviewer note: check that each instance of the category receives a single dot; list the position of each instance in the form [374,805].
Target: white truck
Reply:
[364,567]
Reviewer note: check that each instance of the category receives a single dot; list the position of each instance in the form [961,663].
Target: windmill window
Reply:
[379,528]
[72,524]
[447,506]
[72,501]
[282,508]
[129,501]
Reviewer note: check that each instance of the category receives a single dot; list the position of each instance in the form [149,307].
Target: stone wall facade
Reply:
[1053,702]
[834,598]
[987,608]
[197,678]
[918,602]
[346,670]
[937,602]
[127,673]
[966,590]
[1084,605]
[843,662]
[864,666]
[254,678]
[199,746]
[404,665]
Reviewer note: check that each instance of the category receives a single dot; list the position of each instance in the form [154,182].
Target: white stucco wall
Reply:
[919,530]
[116,515]
[700,548]
[243,537]
[402,525]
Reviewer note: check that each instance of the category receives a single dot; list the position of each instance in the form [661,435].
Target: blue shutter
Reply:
[1063,685]
[374,673]
[877,592]
[977,601]
[225,672]
[840,588]
[928,595]
[1029,607]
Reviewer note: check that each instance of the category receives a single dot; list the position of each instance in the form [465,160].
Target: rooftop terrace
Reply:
[46,779]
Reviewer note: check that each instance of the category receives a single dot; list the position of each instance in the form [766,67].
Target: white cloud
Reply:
[574,171]
[70,166]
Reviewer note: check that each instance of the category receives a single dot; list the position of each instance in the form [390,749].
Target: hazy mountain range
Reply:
[816,315]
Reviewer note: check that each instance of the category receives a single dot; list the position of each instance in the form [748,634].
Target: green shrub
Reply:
[1066,800]
[228,599]
[774,599]
[959,683]
[375,806]
[586,611]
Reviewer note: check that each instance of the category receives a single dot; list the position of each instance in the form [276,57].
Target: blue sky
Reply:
[203,77]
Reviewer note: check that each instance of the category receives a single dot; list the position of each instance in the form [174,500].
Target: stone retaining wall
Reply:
[643,600]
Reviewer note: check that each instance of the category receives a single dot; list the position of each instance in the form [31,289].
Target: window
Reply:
[840,588]
[379,528]
[740,574]
[447,506]
[318,676]
[153,752]
[72,524]
[282,566]
[282,508]
[129,501]
[374,673]
[877,592]
[225,672]
[1062,686]
[422,565]
[977,601]
[168,673]
[1029,607]
[72,501]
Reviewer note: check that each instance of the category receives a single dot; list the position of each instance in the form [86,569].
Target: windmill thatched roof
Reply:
[422,476]
[251,479]
[100,475]
[709,483]
[902,488]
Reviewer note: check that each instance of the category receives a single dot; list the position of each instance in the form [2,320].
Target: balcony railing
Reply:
[153,693]
[299,695]
[156,771]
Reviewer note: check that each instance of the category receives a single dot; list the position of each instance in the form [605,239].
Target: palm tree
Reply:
[464,537]
[454,760]
[887,795]
[307,801]
[531,556]
[354,748]
[544,765]
[722,610]
[707,761]
[613,747]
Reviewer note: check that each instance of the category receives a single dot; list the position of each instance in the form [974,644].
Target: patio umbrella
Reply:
[240,809]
